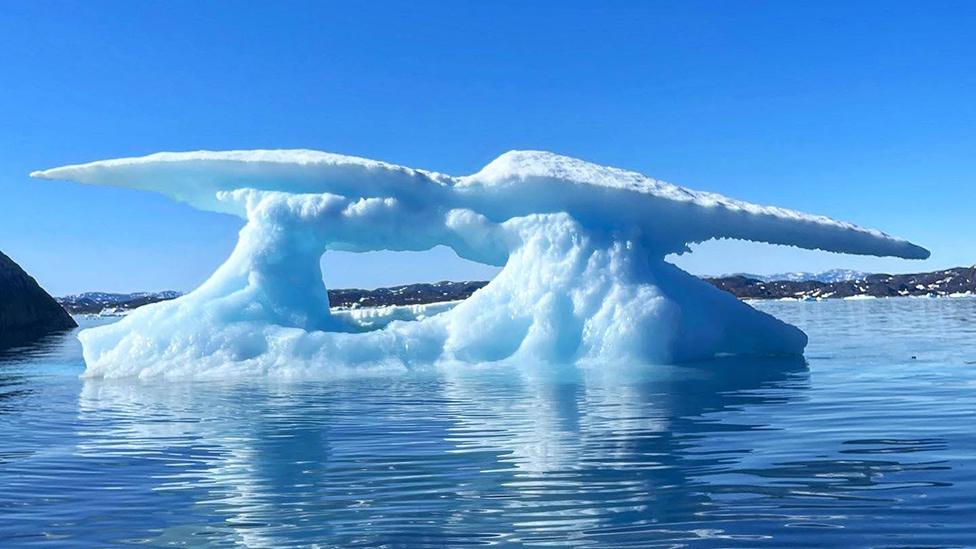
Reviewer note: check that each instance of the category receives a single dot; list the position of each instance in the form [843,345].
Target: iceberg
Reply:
[582,248]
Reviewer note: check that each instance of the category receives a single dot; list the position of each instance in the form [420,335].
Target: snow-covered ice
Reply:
[582,247]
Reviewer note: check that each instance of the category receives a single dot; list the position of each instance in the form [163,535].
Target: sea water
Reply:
[870,441]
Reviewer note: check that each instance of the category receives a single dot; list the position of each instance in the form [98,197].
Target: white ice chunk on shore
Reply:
[582,248]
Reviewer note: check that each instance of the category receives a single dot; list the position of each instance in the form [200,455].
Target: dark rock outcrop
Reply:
[27,312]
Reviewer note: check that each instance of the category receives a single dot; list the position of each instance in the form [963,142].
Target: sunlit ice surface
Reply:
[868,441]
[582,248]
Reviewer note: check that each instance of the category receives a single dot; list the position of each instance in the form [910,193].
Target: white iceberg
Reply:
[582,245]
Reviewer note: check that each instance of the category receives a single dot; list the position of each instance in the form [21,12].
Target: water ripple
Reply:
[862,446]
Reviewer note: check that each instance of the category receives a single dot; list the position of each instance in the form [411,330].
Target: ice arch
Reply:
[582,246]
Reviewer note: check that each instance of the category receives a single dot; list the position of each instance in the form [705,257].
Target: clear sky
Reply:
[863,111]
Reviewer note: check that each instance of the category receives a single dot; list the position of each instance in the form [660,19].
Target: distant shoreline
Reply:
[957,282]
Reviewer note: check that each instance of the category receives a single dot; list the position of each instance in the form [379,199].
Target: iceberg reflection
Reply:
[418,459]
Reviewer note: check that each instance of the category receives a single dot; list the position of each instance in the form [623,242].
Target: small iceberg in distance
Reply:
[582,248]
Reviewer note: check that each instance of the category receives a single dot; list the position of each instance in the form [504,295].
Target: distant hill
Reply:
[957,281]
[27,312]
[829,284]
[410,294]
[111,303]
[833,275]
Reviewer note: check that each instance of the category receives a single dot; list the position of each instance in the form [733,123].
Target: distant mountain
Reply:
[949,282]
[410,294]
[833,275]
[829,284]
[112,304]
[27,312]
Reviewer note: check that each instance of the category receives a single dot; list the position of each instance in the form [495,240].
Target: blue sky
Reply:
[863,111]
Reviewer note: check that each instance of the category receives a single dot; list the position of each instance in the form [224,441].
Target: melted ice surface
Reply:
[582,245]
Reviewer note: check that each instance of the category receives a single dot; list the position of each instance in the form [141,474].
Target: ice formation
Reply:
[582,247]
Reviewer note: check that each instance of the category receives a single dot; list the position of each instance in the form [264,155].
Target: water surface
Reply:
[869,441]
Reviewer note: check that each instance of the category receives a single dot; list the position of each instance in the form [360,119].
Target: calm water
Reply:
[869,442]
